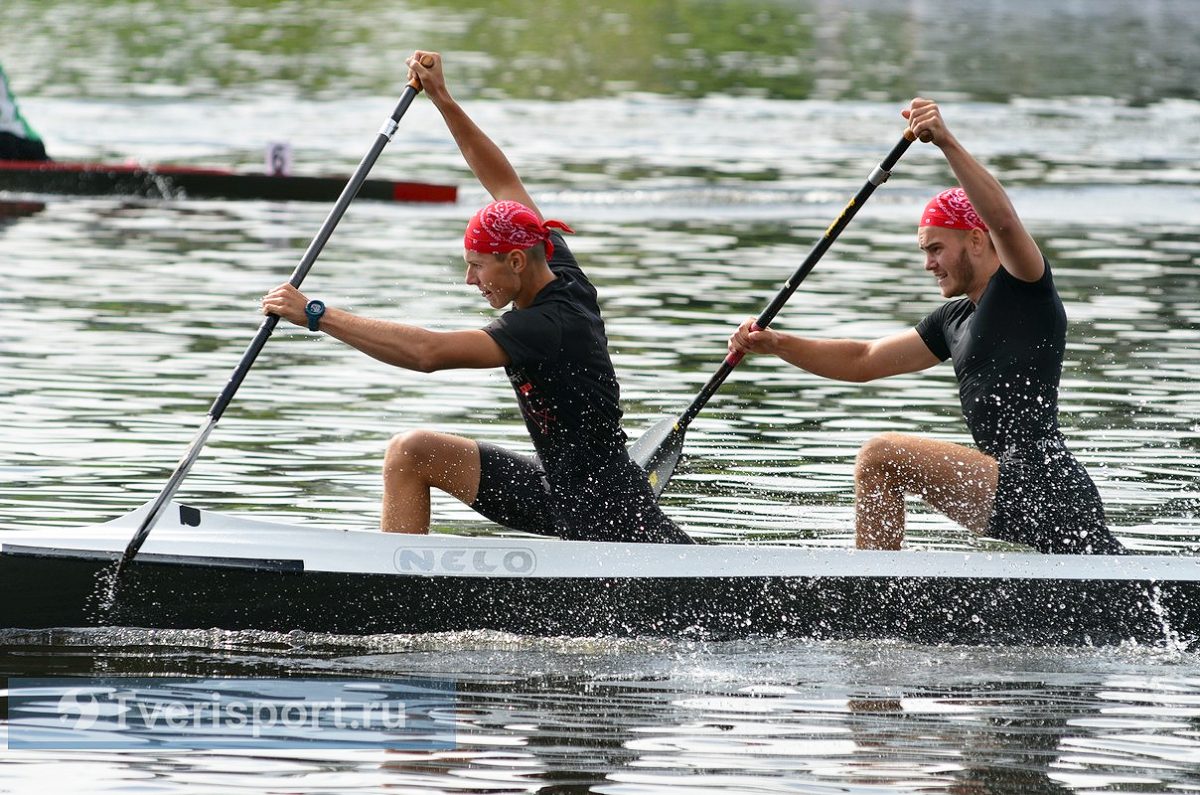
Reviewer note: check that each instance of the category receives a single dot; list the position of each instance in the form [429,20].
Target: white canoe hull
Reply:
[200,569]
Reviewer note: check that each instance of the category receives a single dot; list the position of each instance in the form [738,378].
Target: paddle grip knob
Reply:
[415,82]
[925,136]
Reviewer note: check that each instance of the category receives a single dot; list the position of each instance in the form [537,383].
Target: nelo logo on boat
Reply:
[465,560]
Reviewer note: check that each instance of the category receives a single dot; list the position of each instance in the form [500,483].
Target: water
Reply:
[699,150]
[579,715]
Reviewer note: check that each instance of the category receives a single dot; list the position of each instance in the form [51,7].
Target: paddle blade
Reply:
[658,451]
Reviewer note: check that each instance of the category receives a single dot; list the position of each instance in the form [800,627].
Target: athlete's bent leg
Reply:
[958,481]
[417,461]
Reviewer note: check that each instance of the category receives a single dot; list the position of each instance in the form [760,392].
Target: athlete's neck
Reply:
[982,277]
[533,284]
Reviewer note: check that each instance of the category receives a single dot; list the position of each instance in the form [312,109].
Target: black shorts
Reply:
[1047,500]
[614,504]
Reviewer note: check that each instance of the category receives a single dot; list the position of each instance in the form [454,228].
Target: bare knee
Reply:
[881,455]
[408,453]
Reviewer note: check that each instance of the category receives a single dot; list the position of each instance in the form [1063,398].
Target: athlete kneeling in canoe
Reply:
[552,344]
[1006,337]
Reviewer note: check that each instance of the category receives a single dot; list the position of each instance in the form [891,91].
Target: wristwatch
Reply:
[314,311]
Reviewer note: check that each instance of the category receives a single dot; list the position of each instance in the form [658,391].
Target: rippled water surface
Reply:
[699,150]
[601,715]
[133,315]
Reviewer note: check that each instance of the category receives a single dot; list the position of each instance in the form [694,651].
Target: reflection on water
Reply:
[574,715]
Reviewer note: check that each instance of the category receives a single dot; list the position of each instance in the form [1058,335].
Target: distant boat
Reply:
[175,182]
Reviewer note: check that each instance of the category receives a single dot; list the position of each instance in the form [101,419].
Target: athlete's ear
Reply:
[516,260]
[979,240]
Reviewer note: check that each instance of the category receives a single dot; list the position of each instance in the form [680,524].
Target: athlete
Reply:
[1006,336]
[582,484]
[18,141]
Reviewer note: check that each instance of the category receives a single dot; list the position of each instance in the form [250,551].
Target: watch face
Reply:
[314,311]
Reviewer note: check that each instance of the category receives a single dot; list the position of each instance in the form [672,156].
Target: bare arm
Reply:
[1018,252]
[413,347]
[486,160]
[397,344]
[841,360]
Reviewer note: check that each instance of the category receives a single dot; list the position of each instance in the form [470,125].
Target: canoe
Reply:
[171,182]
[201,570]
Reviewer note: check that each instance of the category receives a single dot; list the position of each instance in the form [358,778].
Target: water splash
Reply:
[1172,639]
[102,601]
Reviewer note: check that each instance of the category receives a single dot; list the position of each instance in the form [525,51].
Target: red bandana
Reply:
[501,227]
[952,209]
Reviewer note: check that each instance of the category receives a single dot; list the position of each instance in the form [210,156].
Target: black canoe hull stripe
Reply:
[41,591]
[104,179]
[252,564]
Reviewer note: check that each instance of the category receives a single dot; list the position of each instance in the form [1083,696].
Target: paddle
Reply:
[268,325]
[659,449]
